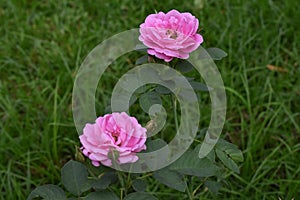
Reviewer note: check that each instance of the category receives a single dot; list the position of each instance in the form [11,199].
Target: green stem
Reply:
[121,179]
[174,105]
[188,192]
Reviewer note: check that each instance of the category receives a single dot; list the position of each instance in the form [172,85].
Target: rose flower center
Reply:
[115,135]
[171,33]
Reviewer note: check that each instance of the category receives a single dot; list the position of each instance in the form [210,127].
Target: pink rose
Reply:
[170,35]
[113,133]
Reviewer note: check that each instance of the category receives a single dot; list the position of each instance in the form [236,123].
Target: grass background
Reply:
[44,42]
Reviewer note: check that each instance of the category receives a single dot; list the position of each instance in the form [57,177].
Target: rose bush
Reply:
[113,133]
[170,35]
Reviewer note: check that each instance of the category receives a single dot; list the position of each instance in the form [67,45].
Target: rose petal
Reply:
[170,35]
[113,132]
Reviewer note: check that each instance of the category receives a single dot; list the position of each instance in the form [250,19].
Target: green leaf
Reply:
[153,145]
[213,186]
[184,66]
[201,134]
[105,195]
[162,90]
[229,153]
[167,75]
[74,177]
[230,149]
[216,53]
[190,164]
[140,196]
[171,179]
[211,156]
[148,99]
[48,192]
[189,78]
[236,155]
[141,48]
[227,161]
[132,100]
[142,60]
[197,86]
[142,89]
[139,185]
[104,181]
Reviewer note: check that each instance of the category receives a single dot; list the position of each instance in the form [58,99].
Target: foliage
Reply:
[43,44]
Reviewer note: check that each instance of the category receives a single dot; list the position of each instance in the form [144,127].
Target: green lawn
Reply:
[43,43]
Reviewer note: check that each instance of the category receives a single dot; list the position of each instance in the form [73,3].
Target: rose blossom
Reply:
[170,35]
[113,133]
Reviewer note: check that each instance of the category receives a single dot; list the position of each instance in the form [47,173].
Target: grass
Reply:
[44,42]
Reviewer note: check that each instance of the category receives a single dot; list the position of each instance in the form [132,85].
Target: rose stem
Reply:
[174,105]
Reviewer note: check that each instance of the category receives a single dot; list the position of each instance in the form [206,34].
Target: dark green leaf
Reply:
[202,133]
[213,186]
[105,195]
[154,145]
[227,161]
[140,196]
[162,90]
[132,100]
[141,48]
[189,78]
[148,99]
[170,84]
[74,177]
[184,66]
[171,179]
[216,53]
[142,60]
[211,156]
[104,181]
[48,192]
[142,89]
[197,86]
[190,164]
[167,75]
[139,185]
